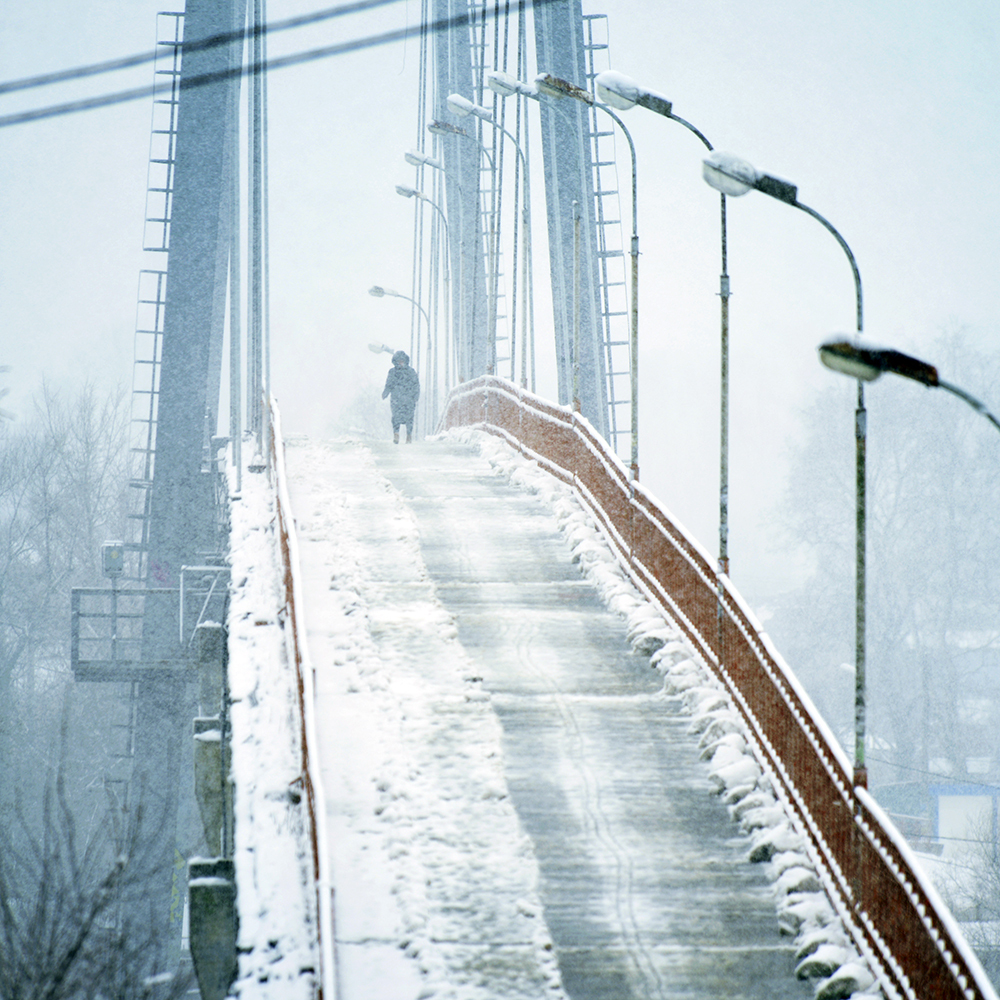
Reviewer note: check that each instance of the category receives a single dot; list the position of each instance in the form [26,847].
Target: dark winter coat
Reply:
[403,388]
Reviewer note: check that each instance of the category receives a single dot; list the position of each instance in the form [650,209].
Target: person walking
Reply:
[402,386]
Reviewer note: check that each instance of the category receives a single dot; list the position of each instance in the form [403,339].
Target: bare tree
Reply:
[68,929]
[63,487]
[70,874]
[970,884]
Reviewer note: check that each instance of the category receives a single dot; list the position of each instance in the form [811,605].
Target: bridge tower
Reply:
[460,66]
[183,519]
[140,632]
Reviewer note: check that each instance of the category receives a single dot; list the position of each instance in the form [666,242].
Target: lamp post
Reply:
[463,107]
[553,86]
[868,363]
[504,85]
[418,159]
[415,157]
[378,292]
[621,92]
[446,128]
[408,192]
[735,177]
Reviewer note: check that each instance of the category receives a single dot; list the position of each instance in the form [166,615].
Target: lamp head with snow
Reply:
[463,107]
[504,84]
[406,192]
[377,290]
[554,86]
[617,90]
[417,159]
[868,363]
[734,177]
[445,128]
[622,92]
[728,174]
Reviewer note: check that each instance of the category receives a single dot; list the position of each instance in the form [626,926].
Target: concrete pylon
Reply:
[212,909]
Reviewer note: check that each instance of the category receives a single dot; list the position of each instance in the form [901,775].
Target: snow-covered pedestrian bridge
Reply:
[514,717]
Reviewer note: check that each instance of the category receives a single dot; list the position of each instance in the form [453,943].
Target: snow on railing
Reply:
[892,912]
[312,784]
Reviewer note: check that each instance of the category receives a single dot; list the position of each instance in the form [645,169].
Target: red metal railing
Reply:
[311,784]
[893,913]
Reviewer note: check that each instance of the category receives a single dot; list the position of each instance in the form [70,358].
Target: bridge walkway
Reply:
[638,875]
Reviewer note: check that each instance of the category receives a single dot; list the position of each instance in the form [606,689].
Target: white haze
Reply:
[884,115]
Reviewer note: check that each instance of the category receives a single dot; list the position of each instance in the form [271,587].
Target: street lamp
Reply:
[378,292]
[553,86]
[868,363]
[622,92]
[463,107]
[733,176]
[430,397]
[417,159]
[408,192]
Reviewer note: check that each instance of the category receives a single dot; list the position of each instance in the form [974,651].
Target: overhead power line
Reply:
[942,779]
[198,45]
[201,80]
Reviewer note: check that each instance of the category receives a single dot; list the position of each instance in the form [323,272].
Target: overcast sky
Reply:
[884,114]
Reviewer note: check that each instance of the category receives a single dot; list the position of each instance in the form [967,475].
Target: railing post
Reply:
[211,770]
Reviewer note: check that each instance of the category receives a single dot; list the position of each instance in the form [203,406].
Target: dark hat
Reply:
[401,356]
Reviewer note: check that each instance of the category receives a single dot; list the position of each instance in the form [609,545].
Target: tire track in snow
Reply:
[601,830]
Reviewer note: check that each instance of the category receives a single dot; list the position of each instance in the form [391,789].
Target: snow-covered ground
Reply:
[436,883]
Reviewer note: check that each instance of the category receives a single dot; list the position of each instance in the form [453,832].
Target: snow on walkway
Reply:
[435,881]
[516,807]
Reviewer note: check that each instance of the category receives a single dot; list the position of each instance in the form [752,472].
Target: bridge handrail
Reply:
[311,781]
[892,911]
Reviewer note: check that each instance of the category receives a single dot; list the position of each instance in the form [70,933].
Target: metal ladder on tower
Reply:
[612,270]
[153,285]
[119,778]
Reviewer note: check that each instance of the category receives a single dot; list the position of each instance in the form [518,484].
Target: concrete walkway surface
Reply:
[641,875]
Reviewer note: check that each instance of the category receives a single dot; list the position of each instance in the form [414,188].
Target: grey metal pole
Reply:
[724,402]
[860,596]
[726,173]
[663,107]
[235,326]
[576,305]
[491,255]
[377,291]
[526,236]
[978,405]
[634,306]
[860,514]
